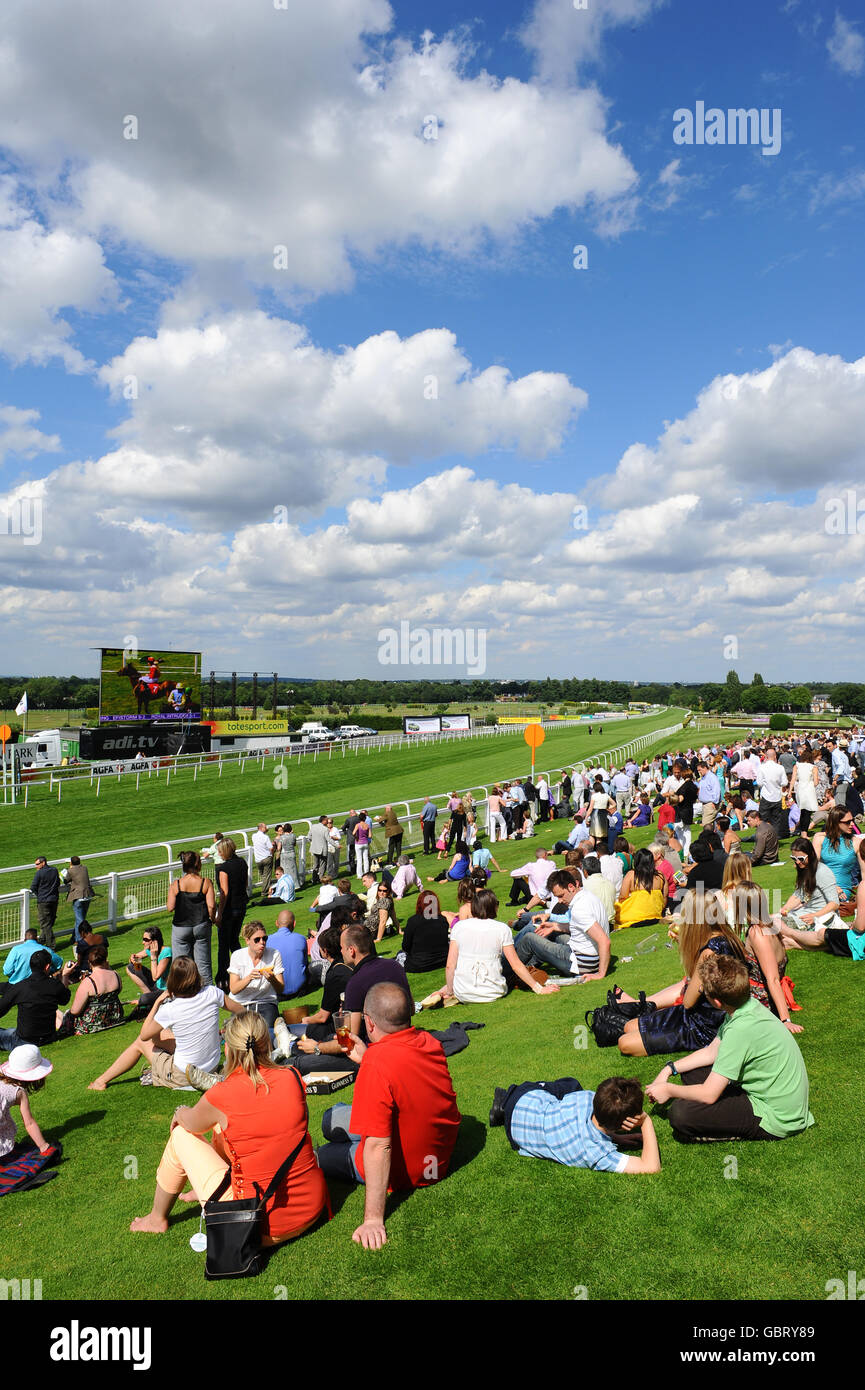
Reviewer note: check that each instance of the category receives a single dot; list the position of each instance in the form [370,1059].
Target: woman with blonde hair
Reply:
[683,1019]
[258,1116]
[747,910]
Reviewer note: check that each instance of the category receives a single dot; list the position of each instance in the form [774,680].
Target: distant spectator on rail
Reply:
[45,887]
[262,851]
[428,814]
[232,879]
[394,832]
[288,855]
[318,848]
[79,891]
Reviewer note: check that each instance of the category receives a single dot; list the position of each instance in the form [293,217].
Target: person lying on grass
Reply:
[581,1129]
[749,1083]
[258,1116]
[182,1029]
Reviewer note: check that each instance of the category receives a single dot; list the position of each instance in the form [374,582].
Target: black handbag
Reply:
[608,1022]
[234,1228]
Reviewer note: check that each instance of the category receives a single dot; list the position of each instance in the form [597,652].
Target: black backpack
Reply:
[608,1022]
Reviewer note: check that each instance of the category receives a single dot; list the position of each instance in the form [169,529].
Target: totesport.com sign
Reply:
[222,728]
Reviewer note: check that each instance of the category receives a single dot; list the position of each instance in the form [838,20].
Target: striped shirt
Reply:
[564,1131]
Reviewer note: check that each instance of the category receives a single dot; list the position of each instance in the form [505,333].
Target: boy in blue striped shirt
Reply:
[582,1129]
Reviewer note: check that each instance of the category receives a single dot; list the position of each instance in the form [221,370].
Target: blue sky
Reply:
[696,386]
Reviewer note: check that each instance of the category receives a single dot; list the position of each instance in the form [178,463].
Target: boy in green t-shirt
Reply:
[750,1082]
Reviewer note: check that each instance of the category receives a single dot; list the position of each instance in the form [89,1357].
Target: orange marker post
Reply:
[534,737]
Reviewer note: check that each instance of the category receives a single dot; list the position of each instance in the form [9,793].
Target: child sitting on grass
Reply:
[581,1129]
[22,1164]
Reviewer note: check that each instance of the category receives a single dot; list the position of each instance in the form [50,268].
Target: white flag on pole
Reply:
[21,707]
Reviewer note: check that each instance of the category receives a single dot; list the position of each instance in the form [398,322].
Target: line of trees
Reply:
[731,696]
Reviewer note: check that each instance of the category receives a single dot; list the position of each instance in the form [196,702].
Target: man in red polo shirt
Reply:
[402,1126]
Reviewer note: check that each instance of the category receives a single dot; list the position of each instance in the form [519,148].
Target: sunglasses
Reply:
[258,938]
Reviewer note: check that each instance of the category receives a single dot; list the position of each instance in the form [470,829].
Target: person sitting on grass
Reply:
[255,974]
[317,1049]
[292,950]
[642,894]
[22,1164]
[258,1115]
[816,898]
[96,1006]
[459,865]
[38,998]
[426,939]
[381,920]
[482,857]
[747,911]
[838,941]
[282,891]
[683,1019]
[149,979]
[400,1131]
[406,879]
[642,816]
[483,964]
[181,1031]
[749,1083]
[583,952]
[581,1129]
[765,838]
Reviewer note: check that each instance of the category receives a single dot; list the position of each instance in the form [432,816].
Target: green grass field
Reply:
[500,1226]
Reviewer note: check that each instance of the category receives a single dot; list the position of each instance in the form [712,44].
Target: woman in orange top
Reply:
[258,1116]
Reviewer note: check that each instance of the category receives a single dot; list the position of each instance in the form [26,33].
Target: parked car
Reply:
[355,731]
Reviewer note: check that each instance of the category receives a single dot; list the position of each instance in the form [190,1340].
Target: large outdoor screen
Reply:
[149,684]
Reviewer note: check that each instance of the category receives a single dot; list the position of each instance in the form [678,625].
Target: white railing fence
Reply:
[126,894]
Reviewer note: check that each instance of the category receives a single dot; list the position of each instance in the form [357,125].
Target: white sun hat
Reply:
[26,1063]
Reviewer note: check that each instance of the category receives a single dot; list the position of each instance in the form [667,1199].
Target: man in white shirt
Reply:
[584,953]
[772,779]
[262,851]
[537,874]
[612,869]
[620,786]
[370,890]
[600,887]
[544,798]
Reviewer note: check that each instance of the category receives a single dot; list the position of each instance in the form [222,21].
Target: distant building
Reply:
[822,704]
